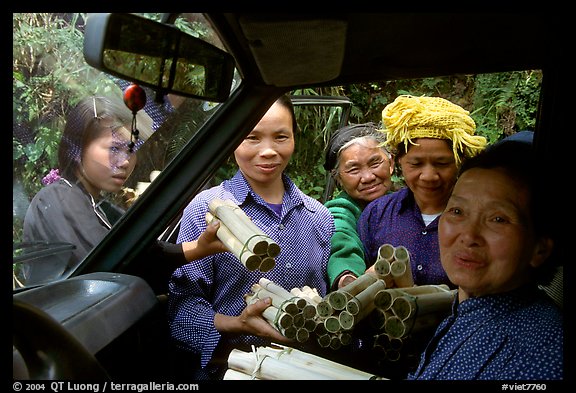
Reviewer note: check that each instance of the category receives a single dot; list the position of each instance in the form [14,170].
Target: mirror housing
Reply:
[158,56]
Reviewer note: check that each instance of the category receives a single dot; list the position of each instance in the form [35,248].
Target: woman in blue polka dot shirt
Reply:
[496,240]
[207,313]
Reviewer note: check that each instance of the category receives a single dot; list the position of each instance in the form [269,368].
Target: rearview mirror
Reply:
[157,55]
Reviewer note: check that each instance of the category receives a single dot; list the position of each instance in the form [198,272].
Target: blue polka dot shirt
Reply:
[396,219]
[217,284]
[516,336]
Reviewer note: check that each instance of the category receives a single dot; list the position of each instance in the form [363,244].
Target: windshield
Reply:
[50,82]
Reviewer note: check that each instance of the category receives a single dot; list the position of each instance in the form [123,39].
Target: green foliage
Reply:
[50,75]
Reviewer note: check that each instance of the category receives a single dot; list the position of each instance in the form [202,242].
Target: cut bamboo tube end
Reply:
[267,264]
[386,252]
[337,300]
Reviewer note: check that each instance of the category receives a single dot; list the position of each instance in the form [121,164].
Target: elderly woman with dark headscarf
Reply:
[362,169]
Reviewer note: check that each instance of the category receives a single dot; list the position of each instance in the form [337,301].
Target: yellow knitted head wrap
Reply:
[409,118]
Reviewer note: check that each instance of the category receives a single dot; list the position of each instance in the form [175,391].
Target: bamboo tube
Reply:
[324,309]
[358,285]
[435,302]
[377,319]
[424,322]
[267,264]
[324,340]
[424,289]
[392,355]
[345,338]
[253,241]
[309,311]
[298,320]
[276,317]
[382,268]
[234,375]
[320,328]
[312,293]
[272,287]
[270,368]
[310,324]
[250,260]
[335,343]
[404,306]
[302,335]
[402,273]
[332,324]
[401,254]
[353,306]
[383,299]
[394,327]
[366,298]
[337,300]
[386,252]
[346,320]
[273,248]
[289,332]
[321,365]
[278,301]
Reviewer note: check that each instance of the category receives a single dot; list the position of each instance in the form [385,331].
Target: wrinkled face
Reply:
[364,171]
[429,170]
[487,244]
[106,160]
[265,152]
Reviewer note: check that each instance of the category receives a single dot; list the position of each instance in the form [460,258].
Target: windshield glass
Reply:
[65,114]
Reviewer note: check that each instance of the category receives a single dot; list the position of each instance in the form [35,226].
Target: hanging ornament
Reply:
[135,99]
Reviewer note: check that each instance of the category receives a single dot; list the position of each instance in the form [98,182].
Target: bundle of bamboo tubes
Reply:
[285,363]
[254,248]
[292,313]
[393,266]
[401,312]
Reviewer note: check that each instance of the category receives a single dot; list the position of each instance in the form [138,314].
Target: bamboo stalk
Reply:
[321,365]
[234,375]
[358,285]
[273,249]
[278,301]
[401,255]
[253,241]
[276,317]
[435,302]
[250,260]
[424,289]
[270,368]
[272,287]
[366,298]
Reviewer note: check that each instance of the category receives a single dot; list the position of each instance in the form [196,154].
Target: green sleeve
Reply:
[347,251]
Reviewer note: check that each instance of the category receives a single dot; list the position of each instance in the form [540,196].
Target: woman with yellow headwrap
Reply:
[430,137]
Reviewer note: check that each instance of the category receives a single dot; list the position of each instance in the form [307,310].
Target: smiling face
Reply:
[429,170]
[265,152]
[364,171]
[486,237]
[106,160]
